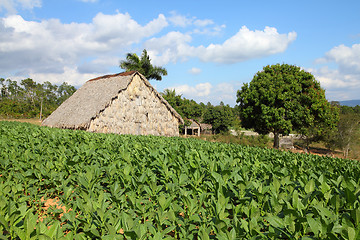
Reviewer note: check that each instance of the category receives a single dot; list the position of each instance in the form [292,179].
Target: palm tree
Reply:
[143,66]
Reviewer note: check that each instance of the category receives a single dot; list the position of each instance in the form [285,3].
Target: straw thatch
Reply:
[123,103]
[205,128]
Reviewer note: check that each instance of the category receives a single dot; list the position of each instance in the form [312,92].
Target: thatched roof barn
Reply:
[123,103]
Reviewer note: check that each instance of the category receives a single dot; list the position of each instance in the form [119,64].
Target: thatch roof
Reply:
[205,126]
[194,124]
[92,98]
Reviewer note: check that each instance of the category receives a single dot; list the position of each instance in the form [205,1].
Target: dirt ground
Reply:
[321,152]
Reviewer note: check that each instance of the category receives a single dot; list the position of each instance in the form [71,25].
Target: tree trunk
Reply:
[41,106]
[346,151]
[276,140]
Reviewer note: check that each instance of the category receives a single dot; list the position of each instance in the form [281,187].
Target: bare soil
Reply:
[320,152]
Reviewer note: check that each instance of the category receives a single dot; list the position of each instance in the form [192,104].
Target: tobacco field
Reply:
[63,184]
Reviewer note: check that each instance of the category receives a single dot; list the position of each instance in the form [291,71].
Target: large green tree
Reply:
[220,117]
[143,65]
[283,98]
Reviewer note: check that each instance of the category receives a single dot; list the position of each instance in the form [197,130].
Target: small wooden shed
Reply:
[123,103]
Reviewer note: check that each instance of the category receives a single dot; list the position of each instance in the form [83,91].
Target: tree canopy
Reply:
[188,109]
[143,65]
[283,98]
[220,117]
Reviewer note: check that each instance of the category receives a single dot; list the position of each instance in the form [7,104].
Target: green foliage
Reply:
[143,65]
[146,187]
[188,109]
[283,98]
[350,110]
[220,117]
[31,99]
[253,141]
[347,134]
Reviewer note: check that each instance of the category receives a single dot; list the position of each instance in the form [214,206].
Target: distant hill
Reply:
[350,103]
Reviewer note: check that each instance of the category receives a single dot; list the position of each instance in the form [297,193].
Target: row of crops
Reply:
[62,184]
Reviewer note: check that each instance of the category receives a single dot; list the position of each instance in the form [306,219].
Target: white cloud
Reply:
[180,20]
[98,65]
[50,45]
[338,85]
[69,75]
[203,22]
[213,31]
[122,29]
[225,92]
[184,21]
[244,45]
[333,78]
[11,5]
[345,77]
[206,92]
[169,48]
[348,58]
[199,90]
[247,44]
[195,70]
[202,26]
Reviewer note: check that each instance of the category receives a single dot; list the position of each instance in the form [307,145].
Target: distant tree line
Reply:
[221,117]
[29,99]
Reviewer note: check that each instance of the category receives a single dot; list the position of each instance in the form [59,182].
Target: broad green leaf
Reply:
[351,233]
[310,186]
[315,225]
[203,234]
[275,221]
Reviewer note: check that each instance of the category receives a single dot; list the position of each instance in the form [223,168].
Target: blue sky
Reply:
[209,48]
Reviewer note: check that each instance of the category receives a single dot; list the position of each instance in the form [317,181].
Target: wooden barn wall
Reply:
[138,111]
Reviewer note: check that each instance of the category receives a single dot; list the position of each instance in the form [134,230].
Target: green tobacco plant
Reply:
[62,184]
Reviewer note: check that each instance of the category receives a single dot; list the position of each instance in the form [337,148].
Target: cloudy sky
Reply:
[210,48]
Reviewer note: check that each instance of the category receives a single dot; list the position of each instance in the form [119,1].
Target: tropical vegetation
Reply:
[30,99]
[143,65]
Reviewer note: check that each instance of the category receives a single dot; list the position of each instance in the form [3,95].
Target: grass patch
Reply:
[35,121]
